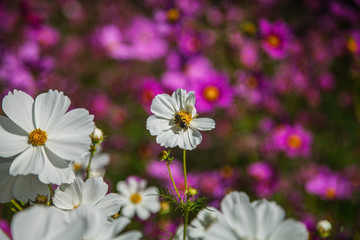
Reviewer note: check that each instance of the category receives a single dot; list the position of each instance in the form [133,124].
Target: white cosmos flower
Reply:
[137,198]
[23,188]
[258,220]
[175,121]
[42,136]
[92,192]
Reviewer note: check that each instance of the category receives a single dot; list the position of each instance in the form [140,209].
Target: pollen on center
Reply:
[135,198]
[211,93]
[37,137]
[273,40]
[294,141]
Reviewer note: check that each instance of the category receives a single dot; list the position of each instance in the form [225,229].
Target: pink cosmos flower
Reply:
[275,38]
[148,89]
[260,171]
[294,140]
[329,186]
[353,42]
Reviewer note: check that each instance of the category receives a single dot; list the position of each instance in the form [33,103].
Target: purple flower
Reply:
[148,89]
[189,43]
[353,42]
[213,91]
[44,35]
[145,40]
[292,140]
[275,38]
[252,87]
[260,171]
[329,186]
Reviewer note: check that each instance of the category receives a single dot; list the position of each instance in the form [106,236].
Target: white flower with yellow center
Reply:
[42,137]
[137,198]
[259,220]
[92,192]
[175,121]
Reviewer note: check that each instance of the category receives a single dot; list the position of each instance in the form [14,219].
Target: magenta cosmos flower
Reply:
[353,42]
[293,140]
[329,186]
[275,38]
[213,91]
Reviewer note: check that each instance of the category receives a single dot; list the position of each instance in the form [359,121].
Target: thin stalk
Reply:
[185,177]
[92,150]
[51,190]
[173,182]
[186,223]
[16,204]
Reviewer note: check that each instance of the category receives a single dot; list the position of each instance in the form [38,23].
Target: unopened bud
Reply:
[192,191]
[164,155]
[97,136]
[165,207]
[324,228]
[41,199]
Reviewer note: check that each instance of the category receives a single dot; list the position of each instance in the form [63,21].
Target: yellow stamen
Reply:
[211,93]
[294,141]
[77,166]
[37,137]
[135,198]
[352,45]
[273,40]
[173,15]
[76,206]
[330,193]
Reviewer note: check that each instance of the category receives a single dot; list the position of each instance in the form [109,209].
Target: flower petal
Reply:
[178,98]
[18,106]
[94,189]
[53,175]
[123,189]
[49,108]
[162,106]
[12,127]
[290,229]
[194,136]
[130,235]
[55,159]
[142,213]
[63,200]
[168,139]
[158,125]
[29,187]
[30,161]
[190,103]
[110,204]
[128,211]
[11,144]
[203,124]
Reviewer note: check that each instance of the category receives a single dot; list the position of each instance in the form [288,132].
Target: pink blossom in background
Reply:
[260,171]
[252,87]
[189,42]
[112,40]
[146,91]
[100,106]
[5,227]
[294,140]
[145,41]
[329,186]
[45,35]
[249,54]
[353,42]
[213,92]
[275,38]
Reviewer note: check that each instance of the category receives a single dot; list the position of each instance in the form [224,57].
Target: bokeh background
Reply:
[281,79]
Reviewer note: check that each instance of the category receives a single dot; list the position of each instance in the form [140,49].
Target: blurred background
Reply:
[281,79]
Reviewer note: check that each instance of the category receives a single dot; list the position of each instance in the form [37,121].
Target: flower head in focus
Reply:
[42,137]
[137,199]
[175,121]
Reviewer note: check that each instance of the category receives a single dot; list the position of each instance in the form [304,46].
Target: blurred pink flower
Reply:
[260,171]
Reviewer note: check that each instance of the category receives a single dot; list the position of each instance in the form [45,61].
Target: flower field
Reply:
[180,119]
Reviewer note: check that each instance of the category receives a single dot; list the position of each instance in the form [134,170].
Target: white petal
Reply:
[12,127]
[18,107]
[152,205]
[203,124]
[49,108]
[94,189]
[194,136]
[168,139]
[131,235]
[3,235]
[290,229]
[158,125]
[110,204]
[190,103]
[6,186]
[55,159]
[29,187]
[11,144]
[63,200]
[58,176]
[220,230]
[128,211]
[123,189]
[30,161]
[162,106]
[178,98]
[268,217]
[142,213]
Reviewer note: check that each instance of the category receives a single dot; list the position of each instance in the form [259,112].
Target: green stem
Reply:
[16,204]
[51,191]
[173,182]
[185,177]
[92,150]
[185,223]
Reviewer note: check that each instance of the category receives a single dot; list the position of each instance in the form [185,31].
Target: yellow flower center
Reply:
[77,166]
[273,40]
[37,137]
[252,82]
[173,15]
[135,198]
[352,45]
[183,118]
[211,93]
[249,28]
[330,193]
[76,206]
[294,141]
